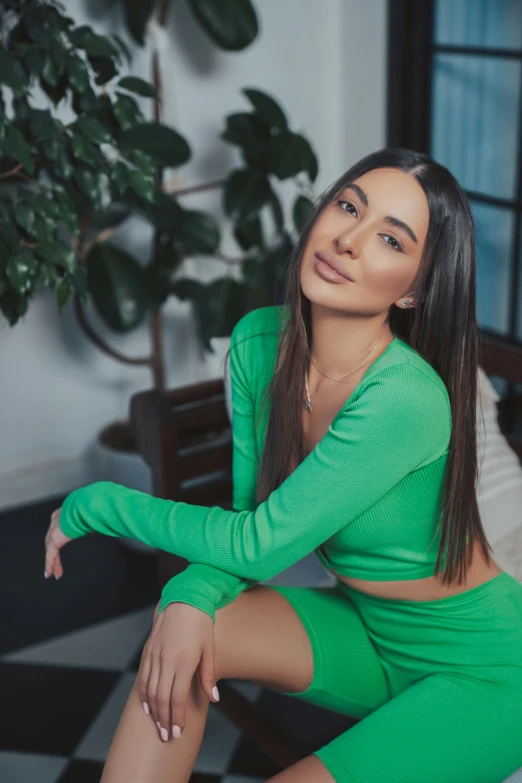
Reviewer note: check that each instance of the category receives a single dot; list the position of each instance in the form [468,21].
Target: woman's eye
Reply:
[348,205]
[396,246]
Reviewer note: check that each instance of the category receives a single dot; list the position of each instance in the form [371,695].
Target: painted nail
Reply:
[164,734]
[146,708]
[158,724]
[176,731]
[56,577]
[215,693]
[46,574]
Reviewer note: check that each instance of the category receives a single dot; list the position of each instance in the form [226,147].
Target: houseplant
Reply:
[67,186]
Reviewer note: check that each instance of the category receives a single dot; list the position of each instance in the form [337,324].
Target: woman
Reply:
[369,459]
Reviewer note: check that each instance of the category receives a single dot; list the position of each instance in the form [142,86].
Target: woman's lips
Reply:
[331,262]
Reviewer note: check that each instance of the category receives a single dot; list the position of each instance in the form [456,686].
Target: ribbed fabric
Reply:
[368,491]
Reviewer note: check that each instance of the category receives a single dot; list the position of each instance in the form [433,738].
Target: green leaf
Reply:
[96,45]
[217,306]
[198,232]
[102,111]
[18,148]
[126,111]
[85,101]
[78,74]
[63,293]
[245,193]
[43,125]
[277,211]
[8,232]
[137,16]
[138,86]
[59,54]
[269,111]
[20,270]
[114,216]
[142,184]
[249,233]
[123,46]
[119,175]
[104,68]
[68,214]
[43,25]
[93,130]
[230,24]
[246,130]
[24,215]
[13,306]
[302,208]
[12,74]
[291,154]
[81,148]
[33,61]
[96,185]
[58,254]
[159,274]
[50,71]
[162,143]
[117,286]
[44,229]
[165,213]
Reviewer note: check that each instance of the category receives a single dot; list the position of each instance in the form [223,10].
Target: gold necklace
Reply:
[308,401]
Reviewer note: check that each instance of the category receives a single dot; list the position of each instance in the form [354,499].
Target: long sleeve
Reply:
[204,586]
[390,426]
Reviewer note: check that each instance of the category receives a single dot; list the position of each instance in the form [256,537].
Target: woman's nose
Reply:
[347,243]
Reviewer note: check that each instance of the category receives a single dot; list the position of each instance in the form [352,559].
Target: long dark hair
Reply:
[442,327]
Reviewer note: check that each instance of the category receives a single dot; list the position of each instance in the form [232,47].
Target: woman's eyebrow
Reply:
[389,218]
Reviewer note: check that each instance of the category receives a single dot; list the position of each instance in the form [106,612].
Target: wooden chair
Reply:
[185,437]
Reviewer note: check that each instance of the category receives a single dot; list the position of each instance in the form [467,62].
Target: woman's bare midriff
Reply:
[430,588]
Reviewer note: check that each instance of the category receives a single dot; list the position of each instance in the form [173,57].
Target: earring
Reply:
[406,302]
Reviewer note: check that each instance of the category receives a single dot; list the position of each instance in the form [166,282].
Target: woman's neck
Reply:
[340,343]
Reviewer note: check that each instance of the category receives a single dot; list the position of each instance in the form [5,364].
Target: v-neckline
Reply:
[384,353]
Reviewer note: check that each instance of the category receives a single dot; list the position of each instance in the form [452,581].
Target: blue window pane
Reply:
[474,126]
[494,233]
[519,295]
[493,23]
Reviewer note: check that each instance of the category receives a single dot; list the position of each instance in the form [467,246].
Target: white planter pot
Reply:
[115,460]
[220,369]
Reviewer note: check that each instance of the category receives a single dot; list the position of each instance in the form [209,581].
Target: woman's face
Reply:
[376,228]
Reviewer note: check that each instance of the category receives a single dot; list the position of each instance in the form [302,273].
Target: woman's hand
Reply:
[54,541]
[182,638]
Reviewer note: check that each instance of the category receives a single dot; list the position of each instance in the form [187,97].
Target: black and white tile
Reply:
[69,653]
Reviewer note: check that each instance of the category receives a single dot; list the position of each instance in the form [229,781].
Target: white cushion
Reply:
[499,488]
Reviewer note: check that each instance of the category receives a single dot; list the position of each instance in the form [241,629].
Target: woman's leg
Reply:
[442,728]
[257,637]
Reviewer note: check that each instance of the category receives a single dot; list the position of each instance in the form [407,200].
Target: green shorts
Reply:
[437,685]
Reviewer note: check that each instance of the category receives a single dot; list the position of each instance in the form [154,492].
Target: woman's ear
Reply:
[405,302]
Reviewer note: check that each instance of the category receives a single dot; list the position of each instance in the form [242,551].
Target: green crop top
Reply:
[365,499]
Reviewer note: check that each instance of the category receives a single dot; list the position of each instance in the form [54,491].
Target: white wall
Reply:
[325,63]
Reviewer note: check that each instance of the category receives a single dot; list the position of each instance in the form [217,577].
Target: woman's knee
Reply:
[260,637]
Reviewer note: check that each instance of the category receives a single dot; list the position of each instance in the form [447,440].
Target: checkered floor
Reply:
[69,653]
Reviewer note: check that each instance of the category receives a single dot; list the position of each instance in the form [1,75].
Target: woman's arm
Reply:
[398,421]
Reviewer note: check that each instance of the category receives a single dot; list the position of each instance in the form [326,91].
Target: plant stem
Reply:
[91,334]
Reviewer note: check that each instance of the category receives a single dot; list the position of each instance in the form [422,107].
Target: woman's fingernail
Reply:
[56,577]
[215,693]
[164,734]
[46,574]
[158,724]
[176,731]
[146,708]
